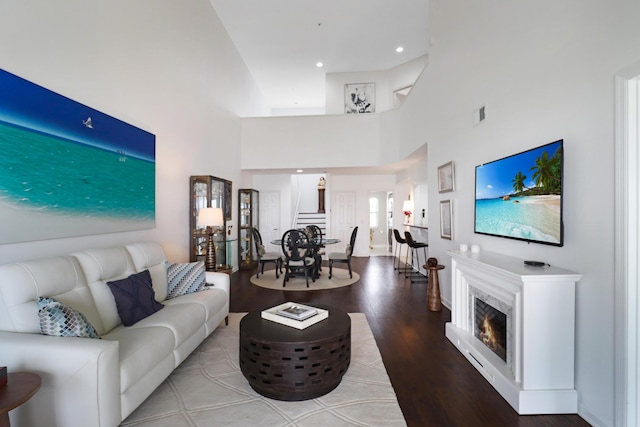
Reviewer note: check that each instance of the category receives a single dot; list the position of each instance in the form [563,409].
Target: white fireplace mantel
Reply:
[539,378]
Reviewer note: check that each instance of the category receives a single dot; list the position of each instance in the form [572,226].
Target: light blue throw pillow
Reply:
[60,320]
[185,278]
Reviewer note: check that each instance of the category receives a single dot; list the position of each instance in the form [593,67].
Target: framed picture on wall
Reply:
[446,224]
[69,168]
[445,178]
[359,98]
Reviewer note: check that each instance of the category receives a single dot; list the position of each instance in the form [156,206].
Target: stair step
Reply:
[312,218]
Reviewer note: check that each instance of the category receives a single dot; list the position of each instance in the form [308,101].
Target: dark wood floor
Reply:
[435,384]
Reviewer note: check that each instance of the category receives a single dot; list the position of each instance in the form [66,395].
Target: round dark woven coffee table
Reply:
[284,363]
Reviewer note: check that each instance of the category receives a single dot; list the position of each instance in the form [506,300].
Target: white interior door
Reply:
[343,219]
[270,217]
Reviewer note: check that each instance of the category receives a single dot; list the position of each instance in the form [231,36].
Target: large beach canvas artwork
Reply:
[520,196]
[67,169]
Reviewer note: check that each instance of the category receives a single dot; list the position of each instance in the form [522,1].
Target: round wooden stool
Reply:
[434,303]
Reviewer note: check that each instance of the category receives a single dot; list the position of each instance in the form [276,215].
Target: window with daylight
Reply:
[374,208]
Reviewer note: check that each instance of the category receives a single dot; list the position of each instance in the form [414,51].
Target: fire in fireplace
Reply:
[491,327]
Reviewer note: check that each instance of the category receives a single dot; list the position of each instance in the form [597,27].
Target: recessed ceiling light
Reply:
[399,49]
[299,171]
[319,64]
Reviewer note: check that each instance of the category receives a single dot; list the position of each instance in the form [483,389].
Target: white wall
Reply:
[545,71]
[386,82]
[280,184]
[312,141]
[336,139]
[306,185]
[362,186]
[288,186]
[167,67]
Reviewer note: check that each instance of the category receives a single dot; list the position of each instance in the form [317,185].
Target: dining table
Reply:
[315,244]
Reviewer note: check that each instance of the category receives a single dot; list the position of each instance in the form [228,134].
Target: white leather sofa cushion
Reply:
[140,348]
[212,300]
[149,255]
[56,277]
[101,266]
[183,320]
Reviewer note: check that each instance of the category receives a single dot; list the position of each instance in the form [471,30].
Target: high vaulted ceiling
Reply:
[281,41]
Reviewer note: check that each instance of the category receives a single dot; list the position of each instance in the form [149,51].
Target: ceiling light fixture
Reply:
[299,171]
[319,64]
[399,49]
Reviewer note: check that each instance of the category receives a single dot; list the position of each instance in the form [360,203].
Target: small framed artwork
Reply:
[359,98]
[445,178]
[446,225]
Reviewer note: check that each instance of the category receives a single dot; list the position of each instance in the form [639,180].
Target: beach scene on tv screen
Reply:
[521,196]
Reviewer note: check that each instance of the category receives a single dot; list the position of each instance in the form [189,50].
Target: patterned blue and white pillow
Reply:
[60,320]
[185,278]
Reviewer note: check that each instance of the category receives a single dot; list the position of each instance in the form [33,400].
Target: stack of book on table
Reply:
[295,315]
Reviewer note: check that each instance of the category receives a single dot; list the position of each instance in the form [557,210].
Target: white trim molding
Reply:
[627,241]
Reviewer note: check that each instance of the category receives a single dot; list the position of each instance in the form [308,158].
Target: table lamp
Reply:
[210,218]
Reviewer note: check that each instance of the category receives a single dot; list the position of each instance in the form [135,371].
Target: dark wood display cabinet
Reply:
[209,192]
[248,215]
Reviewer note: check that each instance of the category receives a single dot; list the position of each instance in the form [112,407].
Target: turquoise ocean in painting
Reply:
[59,176]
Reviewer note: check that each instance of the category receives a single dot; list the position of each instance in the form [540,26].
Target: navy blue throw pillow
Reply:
[135,297]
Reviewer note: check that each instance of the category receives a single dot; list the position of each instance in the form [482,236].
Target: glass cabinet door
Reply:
[247,219]
[208,192]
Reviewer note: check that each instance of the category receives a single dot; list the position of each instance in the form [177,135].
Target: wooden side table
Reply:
[20,387]
[434,303]
[227,269]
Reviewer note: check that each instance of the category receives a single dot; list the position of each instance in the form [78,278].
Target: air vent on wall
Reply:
[480,115]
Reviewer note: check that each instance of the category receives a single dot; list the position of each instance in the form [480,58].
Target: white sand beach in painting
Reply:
[19,224]
[535,218]
[550,201]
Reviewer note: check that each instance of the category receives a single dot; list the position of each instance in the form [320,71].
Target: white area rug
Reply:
[339,278]
[208,389]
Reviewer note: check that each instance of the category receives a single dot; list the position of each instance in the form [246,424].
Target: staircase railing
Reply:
[296,212]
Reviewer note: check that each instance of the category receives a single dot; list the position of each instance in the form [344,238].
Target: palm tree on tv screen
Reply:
[518,182]
[547,172]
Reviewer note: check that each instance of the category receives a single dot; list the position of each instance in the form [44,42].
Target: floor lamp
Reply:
[210,218]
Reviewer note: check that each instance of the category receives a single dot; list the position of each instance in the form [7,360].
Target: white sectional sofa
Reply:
[99,382]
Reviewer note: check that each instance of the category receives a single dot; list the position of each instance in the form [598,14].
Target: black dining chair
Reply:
[297,255]
[265,257]
[314,232]
[344,256]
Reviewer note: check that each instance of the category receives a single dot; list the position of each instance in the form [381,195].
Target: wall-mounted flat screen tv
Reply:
[520,196]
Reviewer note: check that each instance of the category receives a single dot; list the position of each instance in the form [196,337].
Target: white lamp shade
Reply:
[407,206]
[210,217]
